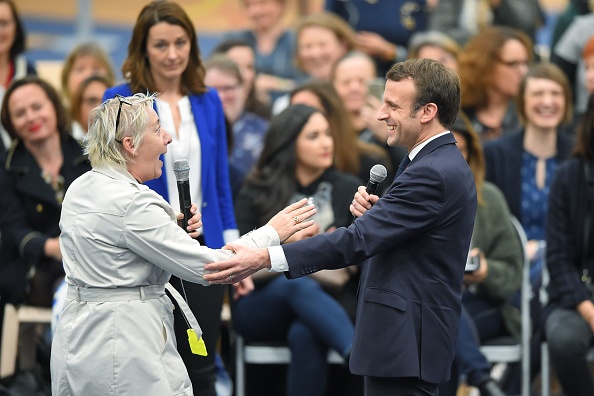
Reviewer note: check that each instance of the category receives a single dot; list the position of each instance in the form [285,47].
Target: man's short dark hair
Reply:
[435,83]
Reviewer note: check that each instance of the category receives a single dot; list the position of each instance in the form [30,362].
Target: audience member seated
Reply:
[491,66]
[522,165]
[569,316]
[296,162]
[87,96]
[248,128]
[273,44]
[34,176]
[13,64]
[351,155]
[434,45]
[84,61]
[322,40]
[242,53]
[486,312]
[362,94]
[384,28]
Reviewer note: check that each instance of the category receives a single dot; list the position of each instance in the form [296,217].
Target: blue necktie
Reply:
[403,165]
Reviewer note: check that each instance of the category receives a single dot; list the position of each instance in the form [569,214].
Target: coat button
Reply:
[204,204]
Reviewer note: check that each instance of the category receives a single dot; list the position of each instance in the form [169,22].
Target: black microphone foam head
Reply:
[378,173]
[181,168]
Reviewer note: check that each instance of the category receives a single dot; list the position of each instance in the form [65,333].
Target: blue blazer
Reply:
[416,239]
[217,202]
[503,164]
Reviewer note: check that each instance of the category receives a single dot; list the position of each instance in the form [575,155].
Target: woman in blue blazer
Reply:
[163,57]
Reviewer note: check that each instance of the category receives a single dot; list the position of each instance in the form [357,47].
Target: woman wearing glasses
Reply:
[34,175]
[115,334]
[87,96]
[491,66]
[163,57]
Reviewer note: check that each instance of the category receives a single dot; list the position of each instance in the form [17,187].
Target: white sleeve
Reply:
[278,261]
[151,232]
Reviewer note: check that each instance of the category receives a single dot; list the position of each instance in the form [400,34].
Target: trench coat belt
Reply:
[100,294]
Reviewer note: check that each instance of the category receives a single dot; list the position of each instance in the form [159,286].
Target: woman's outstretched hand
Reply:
[293,218]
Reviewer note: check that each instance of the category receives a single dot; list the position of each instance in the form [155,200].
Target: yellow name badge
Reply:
[197,346]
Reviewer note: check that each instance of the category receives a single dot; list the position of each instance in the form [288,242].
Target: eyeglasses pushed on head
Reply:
[122,100]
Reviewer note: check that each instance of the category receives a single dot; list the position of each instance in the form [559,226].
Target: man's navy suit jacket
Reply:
[416,239]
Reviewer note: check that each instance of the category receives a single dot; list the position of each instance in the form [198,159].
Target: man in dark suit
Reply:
[415,240]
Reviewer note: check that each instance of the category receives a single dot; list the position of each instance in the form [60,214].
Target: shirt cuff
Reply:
[278,261]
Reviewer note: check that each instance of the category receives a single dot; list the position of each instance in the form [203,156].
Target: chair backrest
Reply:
[12,329]
[265,353]
[527,295]
[502,350]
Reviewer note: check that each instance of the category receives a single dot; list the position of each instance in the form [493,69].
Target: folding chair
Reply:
[506,349]
[264,353]
[20,330]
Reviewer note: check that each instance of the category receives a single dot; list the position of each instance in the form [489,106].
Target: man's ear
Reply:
[429,112]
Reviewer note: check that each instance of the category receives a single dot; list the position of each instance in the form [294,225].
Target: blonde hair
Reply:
[332,22]
[432,38]
[86,49]
[102,143]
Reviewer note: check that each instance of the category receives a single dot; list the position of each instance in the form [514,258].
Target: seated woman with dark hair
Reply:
[351,155]
[296,162]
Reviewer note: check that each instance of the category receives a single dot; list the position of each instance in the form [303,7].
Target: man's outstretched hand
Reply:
[242,264]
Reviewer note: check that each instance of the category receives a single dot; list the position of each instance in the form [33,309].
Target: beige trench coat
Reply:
[120,244]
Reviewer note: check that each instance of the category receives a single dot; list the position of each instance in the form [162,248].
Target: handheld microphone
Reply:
[377,174]
[181,168]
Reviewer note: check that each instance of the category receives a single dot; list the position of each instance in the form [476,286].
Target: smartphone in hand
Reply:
[472,264]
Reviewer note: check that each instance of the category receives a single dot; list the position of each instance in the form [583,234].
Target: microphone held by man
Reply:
[377,175]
